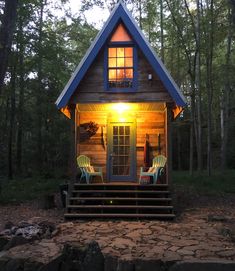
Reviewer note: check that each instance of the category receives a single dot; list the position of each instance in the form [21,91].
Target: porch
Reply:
[123,137]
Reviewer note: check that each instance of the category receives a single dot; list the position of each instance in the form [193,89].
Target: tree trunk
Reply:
[21,101]
[11,124]
[209,86]
[140,14]
[191,144]
[226,96]
[39,100]
[198,86]
[162,28]
[6,35]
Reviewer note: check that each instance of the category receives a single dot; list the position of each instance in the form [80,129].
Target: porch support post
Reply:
[77,134]
[72,162]
[168,135]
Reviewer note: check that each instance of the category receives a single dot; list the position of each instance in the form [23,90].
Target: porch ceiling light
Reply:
[121,107]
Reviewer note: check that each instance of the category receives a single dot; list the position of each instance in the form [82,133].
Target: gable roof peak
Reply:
[120,12]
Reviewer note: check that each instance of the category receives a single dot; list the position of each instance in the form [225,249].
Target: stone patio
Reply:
[199,234]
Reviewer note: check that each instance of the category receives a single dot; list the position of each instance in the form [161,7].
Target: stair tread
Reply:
[114,215]
[120,206]
[122,184]
[123,191]
[118,198]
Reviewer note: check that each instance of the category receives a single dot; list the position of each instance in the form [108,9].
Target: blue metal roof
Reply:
[120,12]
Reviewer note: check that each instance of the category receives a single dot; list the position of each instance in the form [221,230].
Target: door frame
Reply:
[133,168]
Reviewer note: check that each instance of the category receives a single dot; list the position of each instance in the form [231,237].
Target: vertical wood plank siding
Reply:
[92,88]
[151,123]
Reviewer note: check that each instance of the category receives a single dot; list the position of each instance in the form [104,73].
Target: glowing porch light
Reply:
[121,107]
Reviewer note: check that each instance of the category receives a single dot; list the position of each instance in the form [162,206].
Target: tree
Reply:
[7,27]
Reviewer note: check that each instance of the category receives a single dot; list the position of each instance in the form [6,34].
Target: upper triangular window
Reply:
[120,34]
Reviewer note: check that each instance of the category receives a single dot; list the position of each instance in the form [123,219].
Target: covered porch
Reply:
[122,137]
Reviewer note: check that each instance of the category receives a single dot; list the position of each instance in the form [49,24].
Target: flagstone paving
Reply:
[197,234]
[194,236]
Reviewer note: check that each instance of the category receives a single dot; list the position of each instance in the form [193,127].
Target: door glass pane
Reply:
[127,130]
[121,151]
[115,140]
[115,170]
[121,160]
[122,170]
[127,140]
[121,140]
[115,160]
[115,150]
[121,130]
[115,130]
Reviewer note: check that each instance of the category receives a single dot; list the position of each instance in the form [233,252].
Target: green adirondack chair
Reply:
[156,170]
[88,171]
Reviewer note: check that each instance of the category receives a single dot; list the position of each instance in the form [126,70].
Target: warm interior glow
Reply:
[120,64]
[120,34]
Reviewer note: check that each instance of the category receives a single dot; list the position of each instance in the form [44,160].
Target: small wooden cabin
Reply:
[119,96]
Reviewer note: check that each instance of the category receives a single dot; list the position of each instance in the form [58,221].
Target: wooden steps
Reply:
[120,200]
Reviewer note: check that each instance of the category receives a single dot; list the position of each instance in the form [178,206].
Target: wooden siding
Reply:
[92,89]
[151,123]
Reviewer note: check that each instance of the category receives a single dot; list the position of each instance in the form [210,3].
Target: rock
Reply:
[148,265]
[110,263]
[171,256]
[217,218]
[14,265]
[47,225]
[29,231]
[122,243]
[94,259]
[8,225]
[146,232]
[24,224]
[226,253]
[125,266]
[203,266]
[185,252]
[3,241]
[15,241]
[84,258]
[5,232]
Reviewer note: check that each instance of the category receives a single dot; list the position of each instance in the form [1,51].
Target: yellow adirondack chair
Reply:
[88,171]
[156,170]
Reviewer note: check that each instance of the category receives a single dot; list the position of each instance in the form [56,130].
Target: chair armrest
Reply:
[100,169]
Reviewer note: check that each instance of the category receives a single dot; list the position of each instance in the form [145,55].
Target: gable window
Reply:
[121,61]
[120,67]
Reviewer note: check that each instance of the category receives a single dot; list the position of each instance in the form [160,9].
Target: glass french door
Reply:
[121,152]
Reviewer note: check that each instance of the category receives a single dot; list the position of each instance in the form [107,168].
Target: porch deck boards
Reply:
[119,200]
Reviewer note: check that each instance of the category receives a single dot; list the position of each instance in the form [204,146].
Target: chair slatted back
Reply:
[83,161]
[159,161]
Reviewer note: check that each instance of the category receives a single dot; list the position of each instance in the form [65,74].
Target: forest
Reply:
[39,50]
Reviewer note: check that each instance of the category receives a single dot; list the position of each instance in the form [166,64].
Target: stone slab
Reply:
[203,266]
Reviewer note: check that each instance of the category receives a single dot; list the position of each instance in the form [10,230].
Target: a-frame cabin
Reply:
[119,96]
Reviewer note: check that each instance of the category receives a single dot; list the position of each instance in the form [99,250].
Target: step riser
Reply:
[143,216]
[120,201]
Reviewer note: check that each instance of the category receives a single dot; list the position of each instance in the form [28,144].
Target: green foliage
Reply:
[22,190]
[52,55]
[62,43]
[218,183]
